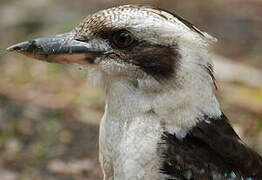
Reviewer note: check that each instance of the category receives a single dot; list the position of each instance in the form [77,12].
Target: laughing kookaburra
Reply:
[162,120]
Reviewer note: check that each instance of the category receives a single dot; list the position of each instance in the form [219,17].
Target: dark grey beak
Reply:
[61,48]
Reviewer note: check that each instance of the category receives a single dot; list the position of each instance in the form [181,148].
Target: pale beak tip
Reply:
[11,48]
[18,47]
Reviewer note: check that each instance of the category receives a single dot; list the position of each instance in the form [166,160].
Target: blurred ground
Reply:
[49,114]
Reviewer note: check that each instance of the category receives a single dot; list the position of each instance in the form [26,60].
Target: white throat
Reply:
[138,113]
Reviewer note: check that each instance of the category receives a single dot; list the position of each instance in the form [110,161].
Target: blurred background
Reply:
[49,114]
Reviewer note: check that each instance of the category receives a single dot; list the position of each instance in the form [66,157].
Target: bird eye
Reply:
[123,39]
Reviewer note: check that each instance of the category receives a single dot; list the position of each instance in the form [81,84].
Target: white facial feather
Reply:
[136,102]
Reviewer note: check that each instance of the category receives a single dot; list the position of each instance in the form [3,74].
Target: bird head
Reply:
[129,42]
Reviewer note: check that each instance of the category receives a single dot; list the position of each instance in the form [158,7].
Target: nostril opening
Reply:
[32,42]
[32,46]
[81,40]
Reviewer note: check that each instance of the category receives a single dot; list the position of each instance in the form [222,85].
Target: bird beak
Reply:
[61,49]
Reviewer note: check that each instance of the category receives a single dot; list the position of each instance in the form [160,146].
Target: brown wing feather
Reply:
[211,150]
[221,137]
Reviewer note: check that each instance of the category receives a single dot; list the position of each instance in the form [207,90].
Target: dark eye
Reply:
[123,39]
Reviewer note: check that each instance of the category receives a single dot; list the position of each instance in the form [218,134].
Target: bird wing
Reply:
[211,150]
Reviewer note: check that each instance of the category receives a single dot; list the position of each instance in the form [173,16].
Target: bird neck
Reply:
[179,104]
[139,111]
